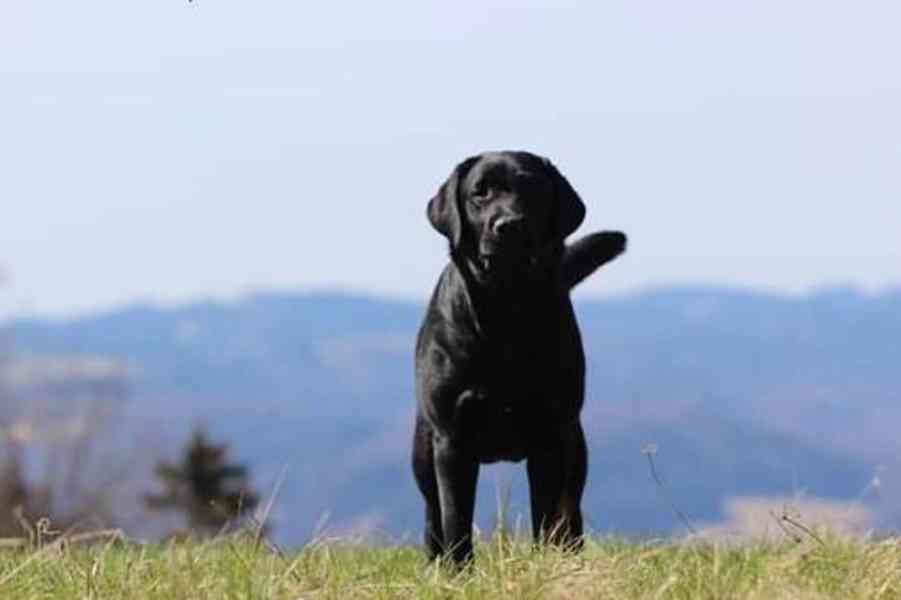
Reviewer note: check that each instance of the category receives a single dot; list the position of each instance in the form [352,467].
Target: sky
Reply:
[169,151]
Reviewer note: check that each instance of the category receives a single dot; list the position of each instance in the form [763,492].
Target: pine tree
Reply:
[212,493]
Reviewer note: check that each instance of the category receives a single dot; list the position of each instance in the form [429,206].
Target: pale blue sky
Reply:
[168,151]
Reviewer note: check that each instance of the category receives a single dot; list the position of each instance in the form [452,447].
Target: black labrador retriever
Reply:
[499,361]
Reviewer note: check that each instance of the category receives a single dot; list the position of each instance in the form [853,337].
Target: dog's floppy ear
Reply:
[444,210]
[570,208]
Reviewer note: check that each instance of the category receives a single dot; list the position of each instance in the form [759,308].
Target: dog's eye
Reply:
[480,192]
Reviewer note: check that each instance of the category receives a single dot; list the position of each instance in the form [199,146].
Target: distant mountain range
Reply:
[742,393]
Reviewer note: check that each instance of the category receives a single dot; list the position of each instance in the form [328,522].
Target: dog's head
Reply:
[505,211]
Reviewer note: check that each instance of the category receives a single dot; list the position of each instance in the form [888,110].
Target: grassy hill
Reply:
[235,567]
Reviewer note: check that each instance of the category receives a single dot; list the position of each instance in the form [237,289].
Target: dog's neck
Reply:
[511,301]
[543,271]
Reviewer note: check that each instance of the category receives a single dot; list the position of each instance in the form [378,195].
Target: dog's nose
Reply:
[509,226]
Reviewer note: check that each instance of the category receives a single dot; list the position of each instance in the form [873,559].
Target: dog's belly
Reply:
[500,431]
[500,441]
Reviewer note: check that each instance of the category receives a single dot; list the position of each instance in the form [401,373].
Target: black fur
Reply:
[499,361]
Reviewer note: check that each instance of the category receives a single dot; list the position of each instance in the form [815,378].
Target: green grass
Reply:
[235,567]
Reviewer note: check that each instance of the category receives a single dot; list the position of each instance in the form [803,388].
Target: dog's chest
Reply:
[516,352]
[513,359]
[513,375]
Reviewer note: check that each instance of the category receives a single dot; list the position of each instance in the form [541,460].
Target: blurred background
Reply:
[215,257]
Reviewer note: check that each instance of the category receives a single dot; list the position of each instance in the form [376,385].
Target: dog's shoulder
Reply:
[450,300]
[449,320]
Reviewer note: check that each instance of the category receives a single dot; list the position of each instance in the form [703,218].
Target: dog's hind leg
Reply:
[424,472]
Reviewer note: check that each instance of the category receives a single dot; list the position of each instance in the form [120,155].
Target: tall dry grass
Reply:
[239,566]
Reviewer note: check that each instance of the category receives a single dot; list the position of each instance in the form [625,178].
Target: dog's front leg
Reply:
[458,470]
[426,479]
[557,476]
[545,468]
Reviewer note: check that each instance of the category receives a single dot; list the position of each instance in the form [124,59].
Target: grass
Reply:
[236,567]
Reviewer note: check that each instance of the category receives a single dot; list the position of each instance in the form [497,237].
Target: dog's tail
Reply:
[584,256]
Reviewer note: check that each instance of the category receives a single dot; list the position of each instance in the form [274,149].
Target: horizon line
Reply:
[243,295]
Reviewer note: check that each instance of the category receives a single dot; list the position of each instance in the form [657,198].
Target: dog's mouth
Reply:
[507,261]
[507,250]
[515,253]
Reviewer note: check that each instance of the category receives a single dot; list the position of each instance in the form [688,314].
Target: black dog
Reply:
[499,361]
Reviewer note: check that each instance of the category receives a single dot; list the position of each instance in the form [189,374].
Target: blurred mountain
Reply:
[742,393]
